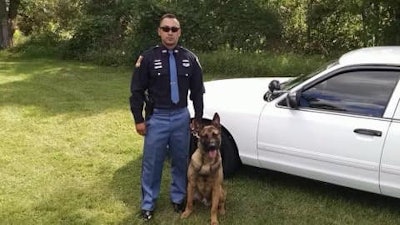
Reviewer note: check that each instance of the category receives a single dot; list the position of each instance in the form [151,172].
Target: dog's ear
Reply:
[216,121]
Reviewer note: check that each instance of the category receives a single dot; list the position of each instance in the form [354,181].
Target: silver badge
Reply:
[185,63]
[157,64]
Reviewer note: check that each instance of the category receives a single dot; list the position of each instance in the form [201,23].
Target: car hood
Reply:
[236,95]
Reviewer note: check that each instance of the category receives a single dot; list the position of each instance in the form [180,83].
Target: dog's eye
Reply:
[203,135]
[215,133]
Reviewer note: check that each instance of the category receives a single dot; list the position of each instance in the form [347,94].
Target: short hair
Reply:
[169,16]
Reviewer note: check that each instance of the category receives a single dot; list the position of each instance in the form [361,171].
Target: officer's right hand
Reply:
[141,128]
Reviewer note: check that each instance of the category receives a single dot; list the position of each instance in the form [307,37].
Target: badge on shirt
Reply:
[157,64]
[139,61]
[185,63]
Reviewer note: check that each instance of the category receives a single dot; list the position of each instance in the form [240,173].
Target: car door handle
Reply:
[368,132]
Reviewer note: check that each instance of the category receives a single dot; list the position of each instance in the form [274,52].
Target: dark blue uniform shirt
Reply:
[151,81]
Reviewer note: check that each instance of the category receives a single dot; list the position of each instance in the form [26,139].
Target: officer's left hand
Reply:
[141,128]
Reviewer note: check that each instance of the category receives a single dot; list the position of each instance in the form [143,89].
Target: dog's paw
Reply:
[214,222]
[221,211]
[186,214]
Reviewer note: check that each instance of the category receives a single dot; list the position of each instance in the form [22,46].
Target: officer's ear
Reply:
[159,32]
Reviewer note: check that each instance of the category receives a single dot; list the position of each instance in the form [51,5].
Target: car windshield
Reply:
[297,80]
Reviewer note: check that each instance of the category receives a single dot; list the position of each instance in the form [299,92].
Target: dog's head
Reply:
[210,136]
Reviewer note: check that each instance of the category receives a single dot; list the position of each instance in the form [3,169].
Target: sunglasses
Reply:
[167,29]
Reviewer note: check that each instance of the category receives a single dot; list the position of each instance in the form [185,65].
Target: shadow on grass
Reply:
[319,190]
[261,195]
[126,186]
[60,87]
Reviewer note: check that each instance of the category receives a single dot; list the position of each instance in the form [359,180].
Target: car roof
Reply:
[379,55]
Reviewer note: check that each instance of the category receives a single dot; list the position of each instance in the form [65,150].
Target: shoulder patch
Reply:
[139,61]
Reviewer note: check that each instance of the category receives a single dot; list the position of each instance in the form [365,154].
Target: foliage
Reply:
[254,28]
[49,16]
[95,29]
[93,34]
[323,26]
[229,63]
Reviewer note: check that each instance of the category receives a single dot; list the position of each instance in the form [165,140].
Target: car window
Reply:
[357,92]
[299,79]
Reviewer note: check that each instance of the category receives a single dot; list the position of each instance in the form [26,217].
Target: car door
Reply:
[390,163]
[336,134]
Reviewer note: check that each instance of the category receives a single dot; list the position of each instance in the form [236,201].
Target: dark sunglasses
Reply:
[167,29]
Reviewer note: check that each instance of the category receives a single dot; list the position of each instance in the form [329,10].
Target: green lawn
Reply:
[69,155]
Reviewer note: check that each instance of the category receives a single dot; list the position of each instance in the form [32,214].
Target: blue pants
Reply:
[167,130]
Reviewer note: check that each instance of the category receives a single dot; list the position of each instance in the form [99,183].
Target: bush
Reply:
[236,64]
[41,45]
[108,57]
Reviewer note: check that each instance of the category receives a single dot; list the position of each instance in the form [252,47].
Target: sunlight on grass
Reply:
[52,158]
[12,79]
[59,161]
[9,74]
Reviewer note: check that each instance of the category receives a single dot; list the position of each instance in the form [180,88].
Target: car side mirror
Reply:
[274,85]
[293,99]
[274,90]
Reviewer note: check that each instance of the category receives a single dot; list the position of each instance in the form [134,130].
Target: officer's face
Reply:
[169,31]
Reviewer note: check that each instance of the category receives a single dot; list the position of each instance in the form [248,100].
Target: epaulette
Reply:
[191,54]
[155,47]
[187,50]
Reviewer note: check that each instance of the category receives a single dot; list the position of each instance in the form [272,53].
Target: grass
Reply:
[69,155]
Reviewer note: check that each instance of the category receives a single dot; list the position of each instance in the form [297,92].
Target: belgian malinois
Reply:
[205,174]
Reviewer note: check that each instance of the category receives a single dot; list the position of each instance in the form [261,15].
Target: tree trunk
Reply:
[12,16]
[7,22]
[3,24]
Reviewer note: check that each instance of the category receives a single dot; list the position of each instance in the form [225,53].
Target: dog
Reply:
[205,173]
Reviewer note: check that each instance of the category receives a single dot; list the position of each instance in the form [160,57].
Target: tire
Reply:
[229,153]
[193,145]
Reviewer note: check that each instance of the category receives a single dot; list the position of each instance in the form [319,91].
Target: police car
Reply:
[340,124]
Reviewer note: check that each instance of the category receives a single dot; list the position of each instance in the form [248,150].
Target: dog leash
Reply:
[194,132]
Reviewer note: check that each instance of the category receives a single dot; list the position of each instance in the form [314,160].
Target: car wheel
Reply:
[193,145]
[229,153]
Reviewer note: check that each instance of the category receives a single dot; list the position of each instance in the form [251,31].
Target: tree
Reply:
[8,15]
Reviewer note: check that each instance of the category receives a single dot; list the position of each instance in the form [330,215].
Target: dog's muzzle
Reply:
[212,148]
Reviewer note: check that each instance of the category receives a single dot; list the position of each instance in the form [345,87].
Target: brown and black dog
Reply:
[205,174]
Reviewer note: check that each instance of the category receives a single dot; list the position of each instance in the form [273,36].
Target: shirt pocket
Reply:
[159,72]
[185,68]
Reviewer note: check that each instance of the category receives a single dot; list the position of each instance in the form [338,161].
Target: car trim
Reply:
[321,157]
[335,113]
[393,104]
[395,170]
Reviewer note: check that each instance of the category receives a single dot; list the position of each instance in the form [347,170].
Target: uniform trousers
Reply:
[167,132]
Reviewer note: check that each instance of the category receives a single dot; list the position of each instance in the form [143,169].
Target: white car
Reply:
[339,125]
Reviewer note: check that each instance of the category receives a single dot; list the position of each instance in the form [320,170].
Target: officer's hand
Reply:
[141,128]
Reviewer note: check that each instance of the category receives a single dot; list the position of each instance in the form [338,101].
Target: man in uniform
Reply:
[161,82]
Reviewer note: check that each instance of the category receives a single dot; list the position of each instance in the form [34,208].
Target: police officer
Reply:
[160,85]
